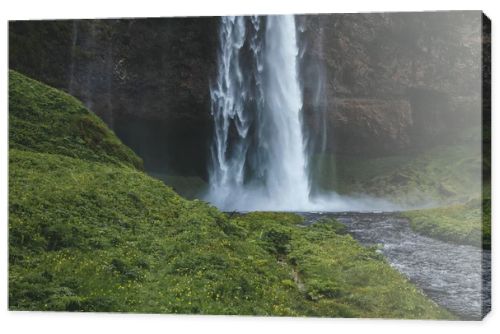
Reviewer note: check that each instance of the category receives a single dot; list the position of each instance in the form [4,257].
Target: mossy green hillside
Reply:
[96,237]
[44,119]
[335,274]
[88,231]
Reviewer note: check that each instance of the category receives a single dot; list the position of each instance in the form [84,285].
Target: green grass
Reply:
[89,231]
[446,176]
[336,275]
[468,223]
[44,119]
[96,237]
[443,175]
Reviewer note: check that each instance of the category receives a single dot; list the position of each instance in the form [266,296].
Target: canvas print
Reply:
[332,165]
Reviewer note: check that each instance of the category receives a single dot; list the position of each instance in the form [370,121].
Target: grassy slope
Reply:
[468,220]
[458,223]
[89,231]
[43,119]
[446,176]
[468,223]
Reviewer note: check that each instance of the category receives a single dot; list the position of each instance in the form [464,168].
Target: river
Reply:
[456,277]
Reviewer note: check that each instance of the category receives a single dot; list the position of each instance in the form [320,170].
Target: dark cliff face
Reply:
[388,82]
[394,81]
[147,78]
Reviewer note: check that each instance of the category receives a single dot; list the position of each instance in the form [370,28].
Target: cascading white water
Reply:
[258,152]
[229,97]
[287,176]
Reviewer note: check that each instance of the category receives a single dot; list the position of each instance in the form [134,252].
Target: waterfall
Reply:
[258,153]
[288,178]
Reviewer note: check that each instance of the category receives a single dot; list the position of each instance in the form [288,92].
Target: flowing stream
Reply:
[457,277]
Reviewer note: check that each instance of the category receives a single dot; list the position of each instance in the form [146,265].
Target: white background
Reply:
[38,322]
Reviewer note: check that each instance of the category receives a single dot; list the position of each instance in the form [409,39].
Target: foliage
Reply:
[468,223]
[446,174]
[335,275]
[44,119]
[88,231]
[333,225]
